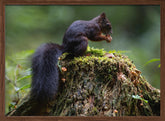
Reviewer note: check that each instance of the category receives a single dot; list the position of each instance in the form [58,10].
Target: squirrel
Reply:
[45,75]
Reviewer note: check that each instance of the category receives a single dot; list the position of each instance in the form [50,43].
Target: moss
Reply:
[98,85]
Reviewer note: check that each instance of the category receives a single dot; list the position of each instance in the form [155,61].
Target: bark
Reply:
[98,86]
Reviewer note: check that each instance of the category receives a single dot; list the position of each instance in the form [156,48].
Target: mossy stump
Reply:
[95,85]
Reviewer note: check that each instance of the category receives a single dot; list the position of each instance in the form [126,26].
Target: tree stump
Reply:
[98,85]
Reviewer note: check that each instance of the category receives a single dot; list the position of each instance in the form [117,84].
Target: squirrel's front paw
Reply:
[109,38]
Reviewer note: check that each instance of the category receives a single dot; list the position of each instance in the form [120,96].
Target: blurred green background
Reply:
[136,30]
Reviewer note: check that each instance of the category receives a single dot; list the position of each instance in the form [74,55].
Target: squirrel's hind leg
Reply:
[81,47]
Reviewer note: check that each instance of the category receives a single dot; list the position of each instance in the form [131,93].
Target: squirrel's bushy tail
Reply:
[45,75]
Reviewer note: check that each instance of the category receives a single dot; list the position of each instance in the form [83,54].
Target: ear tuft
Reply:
[103,15]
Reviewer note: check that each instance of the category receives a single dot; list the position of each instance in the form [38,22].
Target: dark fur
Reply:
[45,80]
[45,72]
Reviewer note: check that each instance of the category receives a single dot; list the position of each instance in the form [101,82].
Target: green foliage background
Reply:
[136,31]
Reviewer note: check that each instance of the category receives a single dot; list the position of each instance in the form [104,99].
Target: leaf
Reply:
[11,106]
[120,51]
[92,50]
[59,66]
[25,77]
[20,57]
[24,54]
[151,61]
[24,87]
[138,97]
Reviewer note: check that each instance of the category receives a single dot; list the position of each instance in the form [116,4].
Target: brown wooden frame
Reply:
[78,2]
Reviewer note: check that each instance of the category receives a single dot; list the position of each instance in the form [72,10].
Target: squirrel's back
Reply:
[81,27]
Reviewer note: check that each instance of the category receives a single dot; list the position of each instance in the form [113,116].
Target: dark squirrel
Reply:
[45,75]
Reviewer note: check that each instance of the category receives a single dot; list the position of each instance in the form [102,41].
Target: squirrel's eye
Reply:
[108,24]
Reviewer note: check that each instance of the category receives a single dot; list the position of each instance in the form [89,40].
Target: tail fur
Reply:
[45,75]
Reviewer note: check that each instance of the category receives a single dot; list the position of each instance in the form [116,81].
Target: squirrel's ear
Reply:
[103,15]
